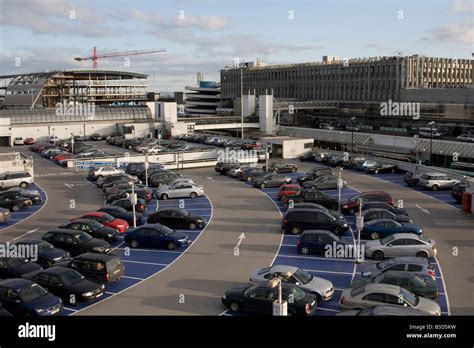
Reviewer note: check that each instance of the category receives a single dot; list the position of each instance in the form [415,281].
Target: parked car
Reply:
[33,195]
[384,206]
[23,297]
[104,171]
[101,268]
[14,202]
[156,236]
[68,284]
[5,215]
[352,204]
[101,182]
[311,196]
[237,171]
[313,174]
[437,181]
[288,189]
[96,137]
[378,213]
[352,161]
[400,244]
[372,295]
[465,138]
[126,204]
[182,190]
[121,213]
[381,168]
[325,182]
[15,179]
[271,180]
[417,265]
[106,220]
[380,228]
[143,192]
[259,299]
[29,141]
[321,156]
[76,242]
[177,218]
[316,242]
[281,167]
[224,167]
[47,254]
[421,285]
[159,179]
[457,192]
[306,156]
[335,161]
[93,228]
[252,173]
[18,141]
[16,267]
[361,166]
[296,221]
[154,150]
[383,310]
[316,206]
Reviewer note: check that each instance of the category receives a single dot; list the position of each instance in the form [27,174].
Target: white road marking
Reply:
[423,210]
[24,234]
[69,186]
[241,237]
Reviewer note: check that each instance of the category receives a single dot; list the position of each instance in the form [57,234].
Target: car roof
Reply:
[406,235]
[329,233]
[387,288]
[15,283]
[95,256]
[93,213]
[399,273]
[374,209]
[283,269]
[391,309]
[412,259]
[29,241]
[82,220]
[65,231]
[435,173]
[57,270]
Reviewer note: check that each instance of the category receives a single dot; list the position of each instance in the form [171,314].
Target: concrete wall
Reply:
[166,111]
[438,95]
[248,104]
[265,113]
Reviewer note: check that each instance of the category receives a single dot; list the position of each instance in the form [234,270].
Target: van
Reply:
[15,179]
[104,268]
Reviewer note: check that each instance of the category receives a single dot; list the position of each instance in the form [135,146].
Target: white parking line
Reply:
[315,258]
[70,309]
[330,272]
[327,309]
[151,250]
[134,278]
[422,209]
[145,263]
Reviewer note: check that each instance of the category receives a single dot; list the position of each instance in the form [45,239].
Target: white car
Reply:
[437,181]
[466,138]
[106,171]
[180,190]
[18,141]
[153,150]
[181,181]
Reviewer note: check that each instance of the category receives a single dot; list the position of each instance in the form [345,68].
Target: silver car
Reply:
[372,295]
[437,181]
[383,310]
[400,244]
[325,182]
[322,288]
[180,190]
[417,265]
[15,179]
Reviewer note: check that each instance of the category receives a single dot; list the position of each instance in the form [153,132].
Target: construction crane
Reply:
[94,56]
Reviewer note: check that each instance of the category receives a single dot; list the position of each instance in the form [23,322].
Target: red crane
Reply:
[94,56]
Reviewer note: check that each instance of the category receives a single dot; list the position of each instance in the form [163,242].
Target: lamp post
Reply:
[359,226]
[242,102]
[431,140]
[352,133]
[280,307]
[133,200]
[339,187]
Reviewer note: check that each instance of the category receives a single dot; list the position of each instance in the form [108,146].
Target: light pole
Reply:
[242,102]
[352,133]
[342,141]
[146,170]
[431,140]
[133,200]
[359,226]
[280,307]
[339,187]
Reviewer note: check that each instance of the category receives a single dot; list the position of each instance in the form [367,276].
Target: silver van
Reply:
[15,179]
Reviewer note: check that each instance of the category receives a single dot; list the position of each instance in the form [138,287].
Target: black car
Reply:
[76,242]
[385,206]
[381,168]
[112,179]
[177,218]
[142,192]
[281,167]
[143,173]
[259,299]
[271,180]
[102,268]
[252,173]
[312,196]
[411,179]
[377,213]
[295,221]
[93,228]
[120,213]
[23,297]
[158,179]
[68,284]
[16,267]
[126,204]
[48,255]
[306,156]
[34,195]
[14,202]
[223,168]
[96,137]
[315,206]
[457,192]
[317,241]
[313,174]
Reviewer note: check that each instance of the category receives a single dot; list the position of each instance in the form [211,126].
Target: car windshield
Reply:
[107,218]
[43,246]
[166,230]
[83,237]
[409,297]
[385,264]
[184,212]
[71,277]
[303,276]
[387,239]
[296,293]
[31,292]
[94,224]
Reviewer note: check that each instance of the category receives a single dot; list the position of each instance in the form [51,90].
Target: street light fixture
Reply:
[359,226]
[431,140]
[133,200]
[352,131]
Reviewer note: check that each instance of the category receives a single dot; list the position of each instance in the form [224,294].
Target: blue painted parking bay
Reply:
[339,271]
[142,263]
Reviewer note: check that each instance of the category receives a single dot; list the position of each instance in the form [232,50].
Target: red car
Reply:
[288,189]
[352,204]
[29,141]
[63,156]
[107,220]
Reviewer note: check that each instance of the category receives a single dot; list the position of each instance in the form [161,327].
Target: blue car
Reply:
[25,297]
[47,254]
[318,242]
[156,236]
[380,228]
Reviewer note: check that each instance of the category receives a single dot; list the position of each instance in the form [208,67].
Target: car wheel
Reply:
[263,186]
[423,254]
[16,208]
[192,226]
[337,231]
[304,250]
[171,246]
[318,297]
[134,244]
[375,235]
[23,184]
[293,170]
[377,255]
[193,194]
[296,230]
[234,306]
[164,196]
[435,188]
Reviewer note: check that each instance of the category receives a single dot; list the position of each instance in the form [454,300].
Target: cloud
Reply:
[460,33]
[463,6]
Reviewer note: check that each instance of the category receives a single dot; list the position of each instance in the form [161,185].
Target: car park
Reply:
[16,267]
[76,242]
[47,255]
[378,213]
[352,204]
[106,220]
[176,218]
[156,236]
[259,298]
[121,213]
[323,289]
[372,295]
[126,204]
[418,265]
[313,174]
[437,181]
[68,284]
[101,268]
[181,190]
[295,221]
[23,297]
[15,179]
[93,228]
[421,285]
[311,196]
[325,182]
[383,310]
[317,242]
[400,244]
[281,167]
[271,180]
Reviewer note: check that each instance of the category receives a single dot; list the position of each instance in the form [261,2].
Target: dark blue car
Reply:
[121,213]
[156,236]
[318,242]
[380,228]
[25,297]
[47,254]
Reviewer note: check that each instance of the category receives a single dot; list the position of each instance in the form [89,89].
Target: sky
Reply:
[206,35]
